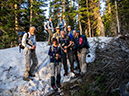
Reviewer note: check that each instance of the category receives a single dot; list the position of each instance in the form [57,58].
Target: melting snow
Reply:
[12,65]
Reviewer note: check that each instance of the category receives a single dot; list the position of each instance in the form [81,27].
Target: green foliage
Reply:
[109,18]
[8,15]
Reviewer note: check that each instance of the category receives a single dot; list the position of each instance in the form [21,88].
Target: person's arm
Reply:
[24,39]
[59,52]
[52,27]
[60,44]
[64,23]
[34,41]
[61,47]
[54,36]
[70,42]
[46,25]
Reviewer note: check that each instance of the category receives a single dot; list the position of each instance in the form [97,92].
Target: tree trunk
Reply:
[100,23]
[118,23]
[31,12]
[88,18]
[80,26]
[86,33]
[16,17]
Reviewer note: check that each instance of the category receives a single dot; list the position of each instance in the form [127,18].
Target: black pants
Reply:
[76,58]
[64,60]
[71,58]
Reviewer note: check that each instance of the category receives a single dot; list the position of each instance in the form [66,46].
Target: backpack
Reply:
[60,24]
[48,24]
[20,36]
[83,41]
[53,48]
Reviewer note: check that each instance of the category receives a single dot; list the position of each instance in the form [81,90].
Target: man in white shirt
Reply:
[49,27]
[29,43]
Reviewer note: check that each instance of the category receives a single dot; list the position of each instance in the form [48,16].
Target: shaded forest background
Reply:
[84,15]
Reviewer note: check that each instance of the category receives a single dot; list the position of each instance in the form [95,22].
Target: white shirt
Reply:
[49,27]
[31,40]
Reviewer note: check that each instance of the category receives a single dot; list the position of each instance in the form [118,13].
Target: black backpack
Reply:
[20,36]
[86,44]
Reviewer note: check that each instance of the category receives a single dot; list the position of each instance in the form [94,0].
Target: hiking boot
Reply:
[26,79]
[65,74]
[31,75]
[58,85]
[54,87]
[73,71]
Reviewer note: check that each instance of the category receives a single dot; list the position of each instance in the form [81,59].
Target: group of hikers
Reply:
[63,45]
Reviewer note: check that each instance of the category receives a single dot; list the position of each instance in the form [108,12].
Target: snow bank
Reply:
[12,65]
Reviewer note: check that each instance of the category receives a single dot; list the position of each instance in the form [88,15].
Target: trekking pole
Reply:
[37,64]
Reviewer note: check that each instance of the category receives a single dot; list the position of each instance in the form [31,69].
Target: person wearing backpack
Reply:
[75,51]
[61,24]
[49,28]
[82,46]
[65,43]
[57,34]
[70,33]
[29,43]
[55,63]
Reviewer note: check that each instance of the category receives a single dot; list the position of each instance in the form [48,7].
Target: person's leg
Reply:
[34,59]
[52,74]
[79,58]
[71,60]
[50,36]
[76,57]
[27,66]
[83,60]
[58,74]
[63,55]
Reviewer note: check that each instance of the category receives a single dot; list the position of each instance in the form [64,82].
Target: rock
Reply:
[73,92]
[79,80]
[64,84]
[126,75]
[127,87]
[49,93]
[61,94]
[75,85]
[74,80]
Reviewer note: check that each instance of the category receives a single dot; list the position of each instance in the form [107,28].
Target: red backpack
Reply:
[80,41]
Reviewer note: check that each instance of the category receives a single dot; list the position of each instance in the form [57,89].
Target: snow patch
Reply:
[12,66]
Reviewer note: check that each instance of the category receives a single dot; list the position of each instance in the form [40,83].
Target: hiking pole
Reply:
[37,64]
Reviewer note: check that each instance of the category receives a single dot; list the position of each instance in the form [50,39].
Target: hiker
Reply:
[70,33]
[55,63]
[65,43]
[57,34]
[61,24]
[49,28]
[29,43]
[82,46]
[75,52]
